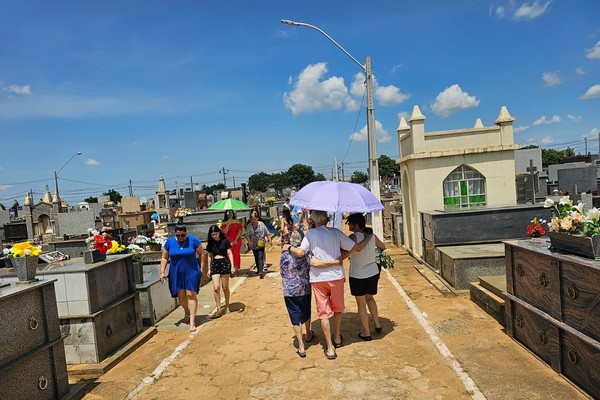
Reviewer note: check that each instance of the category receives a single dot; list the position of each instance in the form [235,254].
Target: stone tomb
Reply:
[97,304]
[155,297]
[460,265]
[32,354]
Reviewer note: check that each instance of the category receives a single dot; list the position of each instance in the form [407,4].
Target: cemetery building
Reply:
[453,170]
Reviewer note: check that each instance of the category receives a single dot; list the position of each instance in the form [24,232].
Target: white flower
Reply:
[27,252]
[565,200]
[6,251]
[90,230]
[579,208]
[594,213]
[547,204]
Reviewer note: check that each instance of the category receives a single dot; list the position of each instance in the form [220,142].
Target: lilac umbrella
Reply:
[336,197]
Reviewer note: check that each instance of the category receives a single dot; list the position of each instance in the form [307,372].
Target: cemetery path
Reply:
[433,346]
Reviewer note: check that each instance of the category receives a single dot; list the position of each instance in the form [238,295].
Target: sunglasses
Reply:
[181,236]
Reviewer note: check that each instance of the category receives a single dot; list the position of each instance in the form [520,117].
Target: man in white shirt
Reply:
[327,279]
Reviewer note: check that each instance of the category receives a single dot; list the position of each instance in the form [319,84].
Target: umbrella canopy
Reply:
[229,204]
[336,197]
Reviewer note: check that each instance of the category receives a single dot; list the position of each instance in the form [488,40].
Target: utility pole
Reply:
[335,167]
[130,189]
[586,148]
[234,182]
[224,172]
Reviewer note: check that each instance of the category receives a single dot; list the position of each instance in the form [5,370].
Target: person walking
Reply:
[233,230]
[221,266]
[181,252]
[364,274]
[258,236]
[287,226]
[327,282]
[295,281]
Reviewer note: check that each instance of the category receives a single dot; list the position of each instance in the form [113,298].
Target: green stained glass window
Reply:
[464,188]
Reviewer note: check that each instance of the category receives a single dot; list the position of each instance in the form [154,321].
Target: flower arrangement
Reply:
[535,228]
[99,241]
[270,200]
[116,248]
[571,219]
[22,249]
[181,212]
[142,240]
[136,252]
[383,260]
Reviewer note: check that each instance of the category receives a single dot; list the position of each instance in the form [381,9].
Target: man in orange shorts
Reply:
[327,275]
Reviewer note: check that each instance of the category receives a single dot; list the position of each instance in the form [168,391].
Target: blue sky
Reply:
[184,88]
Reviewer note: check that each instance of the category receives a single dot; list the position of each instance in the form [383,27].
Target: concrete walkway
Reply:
[434,345]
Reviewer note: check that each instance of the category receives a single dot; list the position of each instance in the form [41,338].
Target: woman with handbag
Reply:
[221,266]
[258,236]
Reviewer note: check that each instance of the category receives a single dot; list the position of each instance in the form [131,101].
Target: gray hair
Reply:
[319,217]
[296,238]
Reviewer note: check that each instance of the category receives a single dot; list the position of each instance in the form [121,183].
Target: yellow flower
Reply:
[23,249]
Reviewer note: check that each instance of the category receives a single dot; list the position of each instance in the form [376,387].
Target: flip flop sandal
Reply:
[329,356]
[301,354]
[311,337]
[338,344]
[364,337]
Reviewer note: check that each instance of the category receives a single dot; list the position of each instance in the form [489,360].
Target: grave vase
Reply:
[25,268]
[93,256]
[155,246]
[585,246]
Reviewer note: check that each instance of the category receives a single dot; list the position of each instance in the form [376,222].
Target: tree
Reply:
[387,167]
[114,196]
[551,156]
[320,177]
[300,175]
[91,200]
[359,177]
[259,181]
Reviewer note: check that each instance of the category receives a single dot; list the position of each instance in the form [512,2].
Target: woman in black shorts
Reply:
[221,266]
[364,274]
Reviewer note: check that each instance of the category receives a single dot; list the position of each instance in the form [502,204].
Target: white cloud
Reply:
[531,10]
[404,114]
[551,78]
[592,92]
[594,132]
[580,71]
[543,121]
[5,187]
[520,129]
[91,161]
[500,12]
[23,90]
[594,52]
[382,135]
[385,95]
[395,68]
[547,140]
[452,100]
[167,158]
[389,95]
[575,118]
[313,93]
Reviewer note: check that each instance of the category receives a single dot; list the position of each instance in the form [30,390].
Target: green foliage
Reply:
[114,196]
[320,177]
[359,177]
[297,175]
[388,168]
[552,156]
[383,260]
[91,200]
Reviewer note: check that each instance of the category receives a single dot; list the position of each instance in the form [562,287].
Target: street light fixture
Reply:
[56,198]
[371,136]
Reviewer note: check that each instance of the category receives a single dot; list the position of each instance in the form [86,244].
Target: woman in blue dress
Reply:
[185,272]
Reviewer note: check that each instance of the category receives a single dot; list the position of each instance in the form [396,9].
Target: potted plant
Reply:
[270,201]
[396,204]
[572,230]
[98,243]
[535,230]
[24,258]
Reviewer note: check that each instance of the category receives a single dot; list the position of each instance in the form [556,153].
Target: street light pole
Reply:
[371,134]
[56,198]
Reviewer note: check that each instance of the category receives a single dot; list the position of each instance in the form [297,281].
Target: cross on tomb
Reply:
[532,170]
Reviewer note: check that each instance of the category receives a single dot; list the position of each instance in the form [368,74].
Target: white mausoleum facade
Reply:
[454,170]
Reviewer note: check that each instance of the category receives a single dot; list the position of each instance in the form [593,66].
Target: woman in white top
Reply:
[364,274]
